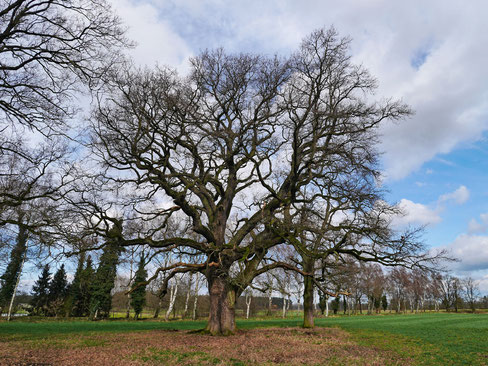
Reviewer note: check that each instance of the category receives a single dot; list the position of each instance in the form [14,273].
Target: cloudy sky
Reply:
[432,54]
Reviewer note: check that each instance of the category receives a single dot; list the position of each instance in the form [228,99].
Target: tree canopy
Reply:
[245,153]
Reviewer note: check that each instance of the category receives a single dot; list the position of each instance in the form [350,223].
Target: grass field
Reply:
[423,339]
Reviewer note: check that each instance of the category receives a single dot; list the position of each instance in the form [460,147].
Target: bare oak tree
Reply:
[50,50]
[235,152]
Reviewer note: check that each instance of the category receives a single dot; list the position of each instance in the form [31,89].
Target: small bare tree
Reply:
[471,292]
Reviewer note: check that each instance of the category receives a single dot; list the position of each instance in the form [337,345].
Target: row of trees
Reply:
[245,165]
[90,292]
[369,288]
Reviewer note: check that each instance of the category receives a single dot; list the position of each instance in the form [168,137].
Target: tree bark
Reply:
[326,305]
[172,299]
[248,304]
[187,298]
[158,308]
[270,301]
[15,288]
[221,320]
[308,320]
[195,300]
[22,237]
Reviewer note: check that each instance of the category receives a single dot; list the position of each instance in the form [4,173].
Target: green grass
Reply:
[429,339]
[27,330]
[456,339]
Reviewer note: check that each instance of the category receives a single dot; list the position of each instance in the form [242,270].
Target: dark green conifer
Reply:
[138,296]
[8,279]
[104,279]
[86,287]
[384,302]
[74,299]
[40,292]
[323,302]
[58,290]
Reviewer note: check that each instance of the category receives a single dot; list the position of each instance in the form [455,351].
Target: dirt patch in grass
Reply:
[277,346]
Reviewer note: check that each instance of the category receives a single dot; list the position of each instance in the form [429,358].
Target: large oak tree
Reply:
[232,154]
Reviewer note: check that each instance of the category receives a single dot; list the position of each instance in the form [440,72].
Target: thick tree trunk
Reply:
[221,320]
[16,286]
[22,242]
[158,308]
[308,321]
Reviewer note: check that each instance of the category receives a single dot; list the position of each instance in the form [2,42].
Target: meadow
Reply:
[413,339]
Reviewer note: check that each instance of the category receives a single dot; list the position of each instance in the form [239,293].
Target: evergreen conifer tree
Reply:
[40,292]
[138,296]
[74,299]
[58,289]
[384,302]
[8,280]
[322,302]
[104,279]
[86,287]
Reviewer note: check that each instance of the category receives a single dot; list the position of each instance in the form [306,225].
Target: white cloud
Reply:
[459,196]
[416,213]
[157,42]
[483,284]
[478,227]
[471,250]
[426,53]
[421,214]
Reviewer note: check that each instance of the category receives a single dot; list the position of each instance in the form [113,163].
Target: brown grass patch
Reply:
[276,346]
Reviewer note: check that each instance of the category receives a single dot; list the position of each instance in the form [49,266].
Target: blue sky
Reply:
[431,54]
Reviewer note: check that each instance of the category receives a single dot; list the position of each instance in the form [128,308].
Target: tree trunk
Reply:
[172,299]
[308,320]
[326,306]
[16,286]
[187,299]
[158,308]
[270,301]
[221,320]
[248,304]
[127,307]
[195,300]
[283,316]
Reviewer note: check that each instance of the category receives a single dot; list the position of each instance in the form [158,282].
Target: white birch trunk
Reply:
[248,304]
[172,299]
